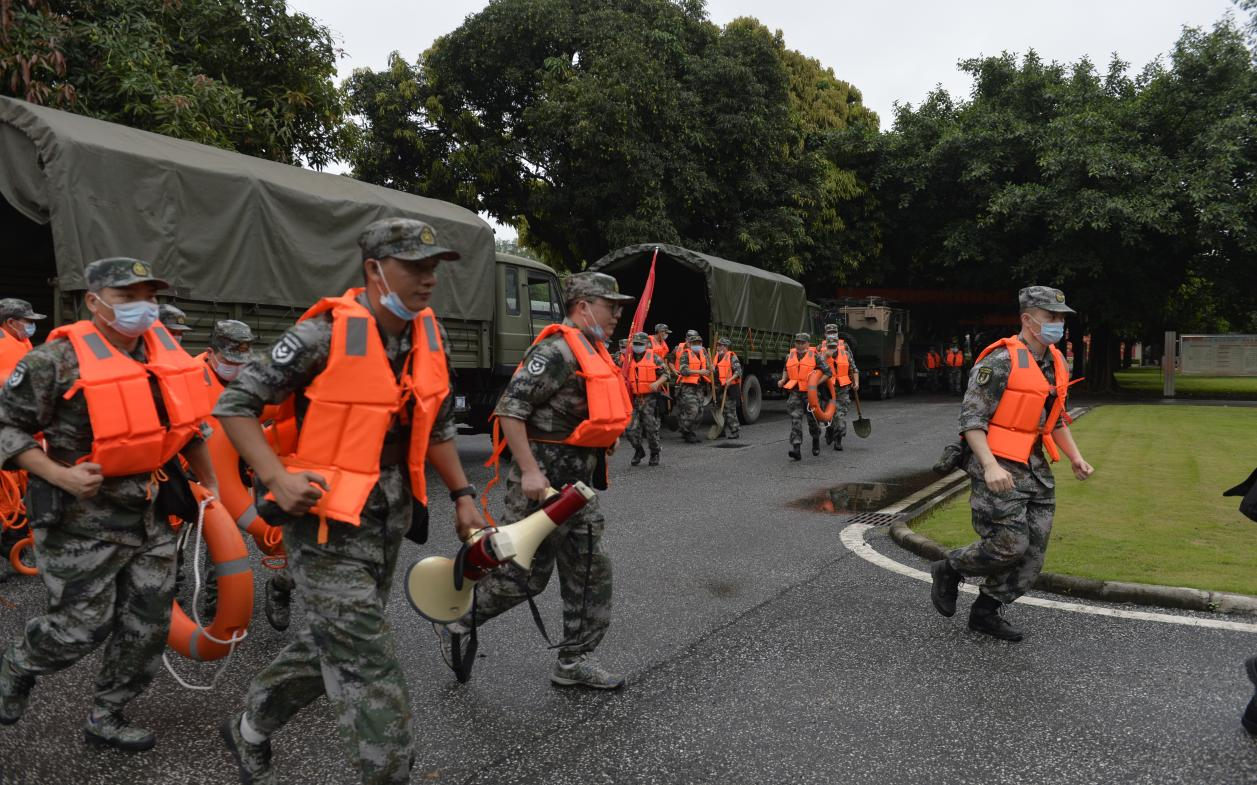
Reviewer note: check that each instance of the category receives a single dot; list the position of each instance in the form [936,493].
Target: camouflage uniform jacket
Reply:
[683,366]
[987,381]
[299,356]
[33,400]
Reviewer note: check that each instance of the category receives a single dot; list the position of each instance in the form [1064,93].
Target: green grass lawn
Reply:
[1147,381]
[1153,512]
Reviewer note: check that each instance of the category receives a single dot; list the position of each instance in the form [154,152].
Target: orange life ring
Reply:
[827,413]
[235,589]
[237,499]
[15,555]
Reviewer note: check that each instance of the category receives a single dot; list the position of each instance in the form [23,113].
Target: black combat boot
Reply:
[946,587]
[838,441]
[829,435]
[691,438]
[795,452]
[984,617]
[1250,714]
[15,691]
[816,445]
[654,459]
[638,454]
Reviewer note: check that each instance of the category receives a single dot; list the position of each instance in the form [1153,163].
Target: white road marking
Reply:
[853,538]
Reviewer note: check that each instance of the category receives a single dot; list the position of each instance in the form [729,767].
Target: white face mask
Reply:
[226,371]
[131,319]
[390,300]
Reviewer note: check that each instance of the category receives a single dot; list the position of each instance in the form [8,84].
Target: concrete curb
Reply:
[1179,597]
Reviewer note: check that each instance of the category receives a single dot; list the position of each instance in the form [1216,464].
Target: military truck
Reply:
[758,311]
[242,238]
[878,333]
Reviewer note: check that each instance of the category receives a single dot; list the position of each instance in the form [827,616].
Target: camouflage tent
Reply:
[221,226]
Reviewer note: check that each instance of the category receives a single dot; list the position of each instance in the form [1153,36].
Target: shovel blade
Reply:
[862,428]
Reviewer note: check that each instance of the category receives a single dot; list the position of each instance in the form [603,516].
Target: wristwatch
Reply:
[466,490]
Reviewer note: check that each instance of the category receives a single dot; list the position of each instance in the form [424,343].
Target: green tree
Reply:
[593,124]
[245,75]
[1133,194]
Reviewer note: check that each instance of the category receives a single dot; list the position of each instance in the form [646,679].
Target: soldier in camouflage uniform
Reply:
[1012,502]
[646,407]
[732,429]
[954,372]
[797,404]
[346,650]
[836,430]
[175,319]
[107,560]
[17,319]
[691,395]
[621,353]
[546,398]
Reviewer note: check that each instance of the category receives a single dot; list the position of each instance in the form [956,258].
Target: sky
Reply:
[891,51]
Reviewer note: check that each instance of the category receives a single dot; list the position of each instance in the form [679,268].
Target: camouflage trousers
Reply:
[645,421]
[100,590]
[346,650]
[1015,528]
[732,426]
[842,410]
[796,407]
[689,406]
[575,548]
[954,376]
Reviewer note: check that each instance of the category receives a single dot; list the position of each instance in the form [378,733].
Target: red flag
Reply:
[643,308]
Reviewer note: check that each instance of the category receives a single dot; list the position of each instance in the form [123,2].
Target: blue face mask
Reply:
[29,327]
[131,319]
[392,302]
[593,331]
[1050,332]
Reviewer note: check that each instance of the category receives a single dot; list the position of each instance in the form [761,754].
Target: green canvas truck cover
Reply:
[220,226]
[738,294]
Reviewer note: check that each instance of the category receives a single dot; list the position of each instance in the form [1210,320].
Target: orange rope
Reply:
[12,508]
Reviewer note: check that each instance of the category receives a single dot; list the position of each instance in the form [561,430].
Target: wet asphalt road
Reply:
[758,650]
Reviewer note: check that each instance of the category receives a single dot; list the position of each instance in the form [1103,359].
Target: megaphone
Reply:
[440,589]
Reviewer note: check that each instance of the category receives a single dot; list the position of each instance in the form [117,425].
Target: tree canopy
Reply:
[591,125]
[248,76]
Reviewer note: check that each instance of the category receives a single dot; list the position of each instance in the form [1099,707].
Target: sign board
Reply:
[1218,355]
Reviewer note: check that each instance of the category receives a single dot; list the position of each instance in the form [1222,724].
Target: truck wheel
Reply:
[884,382]
[752,402]
[892,384]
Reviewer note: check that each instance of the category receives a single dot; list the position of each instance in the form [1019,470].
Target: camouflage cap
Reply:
[403,238]
[805,337]
[580,286]
[831,328]
[175,319]
[120,271]
[641,339]
[691,335]
[13,308]
[1044,297]
[724,342]
[662,328]
[233,340]
[623,342]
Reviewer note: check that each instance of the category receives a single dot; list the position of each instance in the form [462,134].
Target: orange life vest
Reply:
[352,404]
[841,364]
[798,369]
[12,350]
[127,435]
[643,373]
[1014,427]
[659,346]
[933,361]
[724,368]
[955,358]
[697,362]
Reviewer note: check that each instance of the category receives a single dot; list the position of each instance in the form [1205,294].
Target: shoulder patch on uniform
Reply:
[536,365]
[984,376]
[18,375]
[285,349]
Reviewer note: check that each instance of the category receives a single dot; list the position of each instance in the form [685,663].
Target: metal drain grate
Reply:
[730,446]
[873,518]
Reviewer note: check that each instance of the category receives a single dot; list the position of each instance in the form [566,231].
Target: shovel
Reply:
[861,426]
[718,414]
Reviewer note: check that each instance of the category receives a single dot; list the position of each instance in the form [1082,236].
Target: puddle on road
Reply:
[730,446]
[855,497]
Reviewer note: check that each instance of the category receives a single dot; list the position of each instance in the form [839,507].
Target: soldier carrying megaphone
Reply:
[561,414]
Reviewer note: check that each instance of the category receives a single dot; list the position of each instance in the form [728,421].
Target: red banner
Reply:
[643,308]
